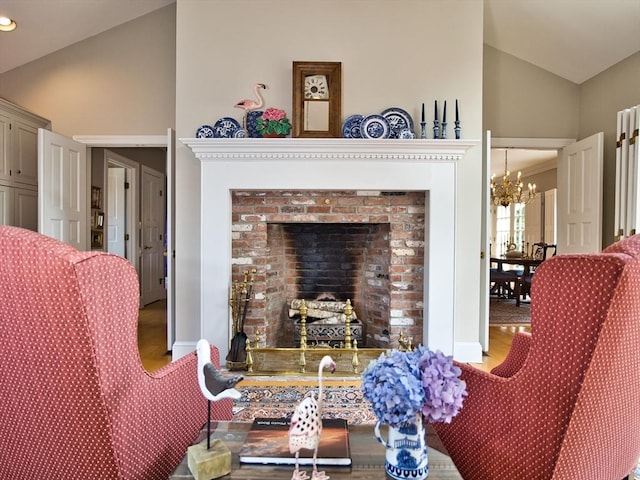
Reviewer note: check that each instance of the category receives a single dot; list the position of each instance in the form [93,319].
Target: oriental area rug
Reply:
[505,312]
[277,397]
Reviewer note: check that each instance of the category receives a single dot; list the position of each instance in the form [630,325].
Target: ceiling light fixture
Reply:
[7,25]
[507,193]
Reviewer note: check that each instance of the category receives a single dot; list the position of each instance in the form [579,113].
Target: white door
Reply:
[550,216]
[62,189]
[116,211]
[153,237]
[580,168]
[170,284]
[485,235]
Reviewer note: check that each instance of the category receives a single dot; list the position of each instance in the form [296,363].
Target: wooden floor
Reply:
[152,336]
[152,339]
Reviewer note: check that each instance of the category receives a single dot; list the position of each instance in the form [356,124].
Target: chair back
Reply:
[585,321]
[52,351]
[542,251]
[605,420]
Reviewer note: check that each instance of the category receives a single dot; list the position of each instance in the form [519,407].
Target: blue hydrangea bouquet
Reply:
[401,385]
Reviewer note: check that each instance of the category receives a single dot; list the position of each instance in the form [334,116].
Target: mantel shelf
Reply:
[257,149]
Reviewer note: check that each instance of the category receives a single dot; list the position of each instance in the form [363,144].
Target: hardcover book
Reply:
[268,443]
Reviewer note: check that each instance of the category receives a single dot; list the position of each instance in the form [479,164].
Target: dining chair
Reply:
[541,251]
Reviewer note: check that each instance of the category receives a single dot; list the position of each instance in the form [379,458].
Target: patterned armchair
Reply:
[75,401]
[565,404]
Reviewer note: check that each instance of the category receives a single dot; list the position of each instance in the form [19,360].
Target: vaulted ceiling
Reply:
[574,39]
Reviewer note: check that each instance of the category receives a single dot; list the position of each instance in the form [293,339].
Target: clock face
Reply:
[316,88]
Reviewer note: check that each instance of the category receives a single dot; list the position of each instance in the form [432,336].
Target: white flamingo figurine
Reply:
[306,425]
[213,385]
[247,104]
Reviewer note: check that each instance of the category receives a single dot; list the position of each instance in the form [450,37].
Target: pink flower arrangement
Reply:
[273,120]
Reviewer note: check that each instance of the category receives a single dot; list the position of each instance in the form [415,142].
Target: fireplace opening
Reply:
[332,246]
[328,264]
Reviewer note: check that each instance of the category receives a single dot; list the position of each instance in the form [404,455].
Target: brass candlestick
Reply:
[348,311]
[303,324]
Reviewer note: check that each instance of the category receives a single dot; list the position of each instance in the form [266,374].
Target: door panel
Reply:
[153,238]
[171,235]
[580,196]
[62,189]
[26,143]
[116,211]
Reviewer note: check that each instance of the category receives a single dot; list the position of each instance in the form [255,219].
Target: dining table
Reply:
[528,264]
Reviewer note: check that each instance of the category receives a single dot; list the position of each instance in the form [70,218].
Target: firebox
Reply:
[332,246]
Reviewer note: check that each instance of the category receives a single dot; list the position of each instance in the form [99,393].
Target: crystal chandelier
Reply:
[506,193]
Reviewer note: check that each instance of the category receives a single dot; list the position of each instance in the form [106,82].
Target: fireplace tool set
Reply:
[241,294]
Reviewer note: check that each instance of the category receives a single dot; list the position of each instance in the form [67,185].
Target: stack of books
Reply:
[267,443]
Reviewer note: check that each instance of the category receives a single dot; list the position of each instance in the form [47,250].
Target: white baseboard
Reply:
[468,352]
[180,349]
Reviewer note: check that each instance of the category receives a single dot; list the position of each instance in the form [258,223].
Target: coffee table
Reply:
[367,456]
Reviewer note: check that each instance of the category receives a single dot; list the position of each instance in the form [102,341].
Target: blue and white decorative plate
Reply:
[375,126]
[226,127]
[252,123]
[406,134]
[351,126]
[398,119]
[204,131]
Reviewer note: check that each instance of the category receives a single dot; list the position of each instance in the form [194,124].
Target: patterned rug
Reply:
[275,397]
[505,312]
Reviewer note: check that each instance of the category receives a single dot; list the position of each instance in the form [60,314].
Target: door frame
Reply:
[132,216]
[507,142]
[166,140]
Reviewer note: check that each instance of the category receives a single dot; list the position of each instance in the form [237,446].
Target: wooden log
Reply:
[337,307]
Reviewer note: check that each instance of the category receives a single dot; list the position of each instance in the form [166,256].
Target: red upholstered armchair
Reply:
[75,401]
[565,404]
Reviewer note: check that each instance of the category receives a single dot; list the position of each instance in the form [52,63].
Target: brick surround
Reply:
[367,246]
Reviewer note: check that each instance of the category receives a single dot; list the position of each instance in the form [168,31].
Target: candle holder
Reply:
[457,129]
[436,129]
[423,130]
[443,133]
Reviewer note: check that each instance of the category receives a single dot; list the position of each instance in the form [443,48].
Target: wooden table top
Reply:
[367,456]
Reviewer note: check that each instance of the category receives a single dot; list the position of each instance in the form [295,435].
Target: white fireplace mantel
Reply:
[334,148]
[330,164]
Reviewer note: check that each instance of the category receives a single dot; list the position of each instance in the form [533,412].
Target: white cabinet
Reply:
[19,207]
[24,152]
[19,165]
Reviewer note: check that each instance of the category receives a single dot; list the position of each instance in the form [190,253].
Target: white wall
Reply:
[398,53]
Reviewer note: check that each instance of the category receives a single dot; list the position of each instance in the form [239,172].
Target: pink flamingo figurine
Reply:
[247,104]
[306,425]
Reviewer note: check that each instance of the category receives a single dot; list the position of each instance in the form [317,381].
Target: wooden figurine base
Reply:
[207,464]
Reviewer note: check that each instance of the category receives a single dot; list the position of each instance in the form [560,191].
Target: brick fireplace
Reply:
[375,175]
[365,246]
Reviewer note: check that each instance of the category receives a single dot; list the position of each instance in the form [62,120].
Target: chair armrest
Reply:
[516,356]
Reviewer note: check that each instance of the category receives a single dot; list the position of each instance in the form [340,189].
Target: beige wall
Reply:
[522,100]
[600,99]
[398,53]
[121,81]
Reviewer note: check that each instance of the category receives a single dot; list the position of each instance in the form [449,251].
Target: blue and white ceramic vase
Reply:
[406,450]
